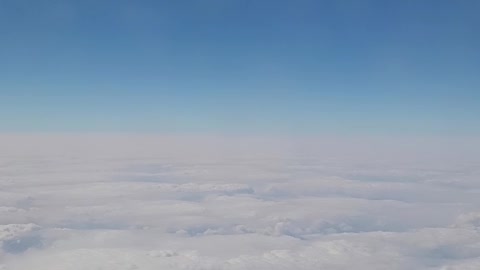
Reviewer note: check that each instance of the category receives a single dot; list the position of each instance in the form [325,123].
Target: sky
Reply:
[356,134]
[242,67]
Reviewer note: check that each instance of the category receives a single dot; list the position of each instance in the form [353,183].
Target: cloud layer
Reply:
[100,202]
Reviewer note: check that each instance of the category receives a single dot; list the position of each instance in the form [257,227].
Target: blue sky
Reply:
[201,66]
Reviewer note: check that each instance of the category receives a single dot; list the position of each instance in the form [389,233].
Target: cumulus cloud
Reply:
[99,202]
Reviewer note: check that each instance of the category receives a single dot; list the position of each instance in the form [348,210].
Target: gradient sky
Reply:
[238,66]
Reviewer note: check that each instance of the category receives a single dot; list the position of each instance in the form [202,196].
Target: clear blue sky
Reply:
[238,66]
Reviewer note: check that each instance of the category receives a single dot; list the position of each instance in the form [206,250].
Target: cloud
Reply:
[96,202]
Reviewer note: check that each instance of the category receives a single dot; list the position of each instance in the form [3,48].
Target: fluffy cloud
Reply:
[215,203]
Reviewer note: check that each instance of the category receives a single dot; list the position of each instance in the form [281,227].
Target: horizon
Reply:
[239,134]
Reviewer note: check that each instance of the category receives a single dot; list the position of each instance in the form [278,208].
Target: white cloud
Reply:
[73,202]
